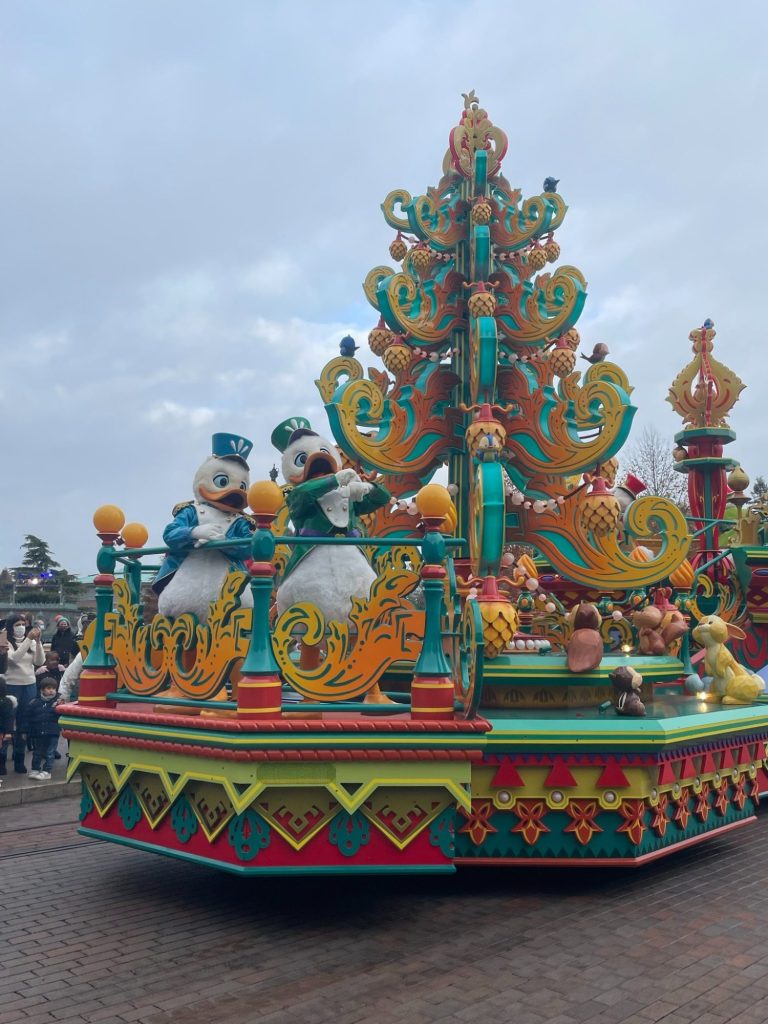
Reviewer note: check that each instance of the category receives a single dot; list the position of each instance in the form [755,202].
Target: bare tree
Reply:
[650,458]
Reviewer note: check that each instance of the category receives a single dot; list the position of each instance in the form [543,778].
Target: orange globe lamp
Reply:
[135,535]
[265,500]
[450,521]
[108,519]
[433,502]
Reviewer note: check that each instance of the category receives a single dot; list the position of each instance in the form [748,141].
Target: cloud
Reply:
[193,219]
[180,415]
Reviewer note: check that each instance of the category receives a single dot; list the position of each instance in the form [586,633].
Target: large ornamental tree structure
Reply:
[478,331]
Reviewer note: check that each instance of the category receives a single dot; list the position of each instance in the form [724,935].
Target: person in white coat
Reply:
[25,654]
[70,681]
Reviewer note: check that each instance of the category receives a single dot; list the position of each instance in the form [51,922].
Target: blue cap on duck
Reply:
[231,446]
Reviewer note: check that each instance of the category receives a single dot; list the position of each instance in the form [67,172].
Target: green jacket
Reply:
[309,519]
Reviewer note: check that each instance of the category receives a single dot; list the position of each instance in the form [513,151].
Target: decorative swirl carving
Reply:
[335,372]
[609,372]
[398,197]
[441,215]
[534,312]
[416,409]
[197,657]
[717,387]
[426,310]
[545,432]
[710,598]
[474,132]
[599,562]
[388,628]
[372,281]
[515,228]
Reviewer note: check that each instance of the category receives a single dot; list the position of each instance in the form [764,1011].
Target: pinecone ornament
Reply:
[537,259]
[482,212]
[571,338]
[600,510]
[499,625]
[552,251]
[380,338]
[481,302]
[562,361]
[397,358]
[398,250]
[422,257]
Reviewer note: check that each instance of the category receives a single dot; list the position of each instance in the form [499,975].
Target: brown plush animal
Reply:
[626,691]
[658,628]
[585,648]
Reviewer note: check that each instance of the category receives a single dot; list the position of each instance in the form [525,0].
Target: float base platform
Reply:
[358,794]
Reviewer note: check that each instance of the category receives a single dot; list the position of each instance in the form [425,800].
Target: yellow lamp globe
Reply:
[433,501]
[108,519]
[135,535]
[451,519]
[265,498]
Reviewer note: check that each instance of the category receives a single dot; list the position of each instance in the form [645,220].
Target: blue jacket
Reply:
[40,719]
[178,536]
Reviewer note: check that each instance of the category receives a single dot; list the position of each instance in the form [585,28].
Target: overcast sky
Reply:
[191,201]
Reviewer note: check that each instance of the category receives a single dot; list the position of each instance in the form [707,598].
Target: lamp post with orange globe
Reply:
[432,687]
[99,676]
[259,691]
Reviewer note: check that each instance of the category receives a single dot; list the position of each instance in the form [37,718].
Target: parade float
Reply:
[372,671]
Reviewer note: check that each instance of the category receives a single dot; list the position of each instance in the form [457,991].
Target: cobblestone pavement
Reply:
[96,933]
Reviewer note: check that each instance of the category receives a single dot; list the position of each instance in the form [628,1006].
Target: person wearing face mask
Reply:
[25,654]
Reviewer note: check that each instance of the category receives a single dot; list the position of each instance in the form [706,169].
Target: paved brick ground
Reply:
[93,933]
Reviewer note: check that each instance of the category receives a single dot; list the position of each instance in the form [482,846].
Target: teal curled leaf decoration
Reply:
[348,832]
[129,809]
[442,832]
[248,834]
[183,820]
[86,804]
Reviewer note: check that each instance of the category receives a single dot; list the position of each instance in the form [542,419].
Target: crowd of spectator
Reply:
[33,682]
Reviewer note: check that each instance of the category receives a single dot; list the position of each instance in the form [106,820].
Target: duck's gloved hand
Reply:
[358,489]
[206,532]
[346,476]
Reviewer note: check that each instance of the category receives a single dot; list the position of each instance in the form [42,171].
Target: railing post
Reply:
[432,687]
[99,677]
[259,691]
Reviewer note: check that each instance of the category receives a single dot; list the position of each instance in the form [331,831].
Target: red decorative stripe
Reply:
[276,755]
[347,724]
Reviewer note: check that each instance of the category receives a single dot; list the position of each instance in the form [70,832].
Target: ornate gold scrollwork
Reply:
[382,630]
[198,657]
[598,561]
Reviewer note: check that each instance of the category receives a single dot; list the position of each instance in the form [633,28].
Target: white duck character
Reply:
[190,577]
[324,500]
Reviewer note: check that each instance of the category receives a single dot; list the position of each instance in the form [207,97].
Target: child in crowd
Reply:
[7,715]
[41,726]
[51,668]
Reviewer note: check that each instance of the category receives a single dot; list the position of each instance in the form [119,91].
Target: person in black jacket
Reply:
[41,726]
[63,641]
[7,715]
